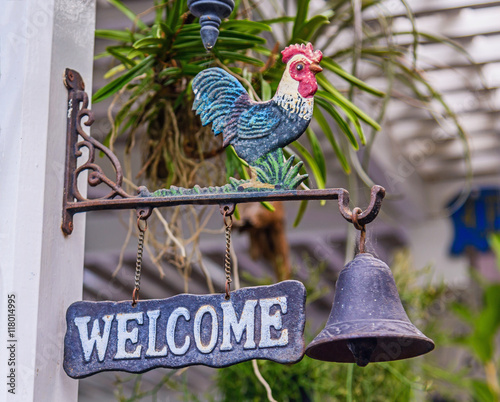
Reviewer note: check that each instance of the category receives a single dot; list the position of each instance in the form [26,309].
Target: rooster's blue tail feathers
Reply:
[216,92]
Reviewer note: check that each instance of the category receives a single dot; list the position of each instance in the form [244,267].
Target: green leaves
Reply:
[246,26]
[111,34]
[494,241]
[148,42]
[329,64]
[273,169]
[486,324]
[117,84]
[331,93]
[301,17]
[482,392]
[174,13]
[174,43]
[308,29]
[329,134]
[304,154]
[128,13]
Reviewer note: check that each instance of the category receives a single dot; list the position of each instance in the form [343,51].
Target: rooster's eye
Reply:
[299,67]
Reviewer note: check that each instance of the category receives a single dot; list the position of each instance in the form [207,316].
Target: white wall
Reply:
[42,267]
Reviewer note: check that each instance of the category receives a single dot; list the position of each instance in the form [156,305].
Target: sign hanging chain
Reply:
[142,225]
[228,224]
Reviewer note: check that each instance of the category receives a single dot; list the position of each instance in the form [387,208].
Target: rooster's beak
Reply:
[315,68]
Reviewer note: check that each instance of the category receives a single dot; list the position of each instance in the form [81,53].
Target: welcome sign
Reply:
[264,322]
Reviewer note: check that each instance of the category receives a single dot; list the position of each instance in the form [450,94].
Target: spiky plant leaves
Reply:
[273,169]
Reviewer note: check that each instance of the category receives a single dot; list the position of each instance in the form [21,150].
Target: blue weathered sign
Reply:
[475,220]
[264,322]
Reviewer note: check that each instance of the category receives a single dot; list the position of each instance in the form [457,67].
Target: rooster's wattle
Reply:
[257,128]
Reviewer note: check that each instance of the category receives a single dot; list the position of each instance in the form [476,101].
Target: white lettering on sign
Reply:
[246,323]
[268,321]
[264,322]
[230,324]
[123,335]
[206,309]
[171,324]
[100,341]
[152,352]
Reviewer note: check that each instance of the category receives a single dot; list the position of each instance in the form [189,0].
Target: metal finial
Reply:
[211,13]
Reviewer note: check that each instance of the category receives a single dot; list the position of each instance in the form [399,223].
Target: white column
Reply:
[38,264]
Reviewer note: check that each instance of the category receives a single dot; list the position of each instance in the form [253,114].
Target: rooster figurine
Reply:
[253,128]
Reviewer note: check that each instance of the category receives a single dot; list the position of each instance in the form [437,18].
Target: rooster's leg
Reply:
[255,183]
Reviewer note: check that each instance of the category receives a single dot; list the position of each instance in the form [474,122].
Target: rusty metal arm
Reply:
[117,198]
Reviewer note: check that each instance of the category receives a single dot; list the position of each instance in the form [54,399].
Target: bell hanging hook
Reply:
[362,228]
[377,194]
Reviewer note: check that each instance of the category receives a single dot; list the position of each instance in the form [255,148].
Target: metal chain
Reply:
[138,262]
[228,223]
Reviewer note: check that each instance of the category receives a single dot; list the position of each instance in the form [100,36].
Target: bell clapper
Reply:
[362,350]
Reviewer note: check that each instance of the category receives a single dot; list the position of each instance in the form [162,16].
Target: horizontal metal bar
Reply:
[204,199]
[145,205]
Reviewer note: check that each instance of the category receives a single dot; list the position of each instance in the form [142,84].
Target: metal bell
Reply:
[211,13]
[368,322]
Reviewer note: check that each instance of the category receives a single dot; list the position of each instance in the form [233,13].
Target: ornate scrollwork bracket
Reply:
[77,139]
[145,202]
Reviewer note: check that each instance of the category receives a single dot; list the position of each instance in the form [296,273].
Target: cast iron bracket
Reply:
[118,198]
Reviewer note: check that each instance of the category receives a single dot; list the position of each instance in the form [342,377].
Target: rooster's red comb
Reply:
[306,50]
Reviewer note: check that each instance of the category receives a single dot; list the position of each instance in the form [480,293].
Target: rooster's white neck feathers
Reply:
[288,96]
